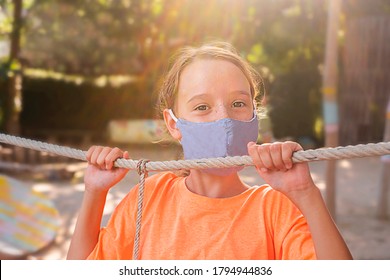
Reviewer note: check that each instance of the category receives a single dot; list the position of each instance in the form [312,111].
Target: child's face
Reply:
[212,89]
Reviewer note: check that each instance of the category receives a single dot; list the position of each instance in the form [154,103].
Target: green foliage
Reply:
[283,39]
[291,43]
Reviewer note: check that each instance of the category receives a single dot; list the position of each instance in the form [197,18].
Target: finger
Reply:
[276,156]
[112,156]
[253,151]
[90,152]
[265,156]
[121,171]
[288,150]
[101,159]
[95,151]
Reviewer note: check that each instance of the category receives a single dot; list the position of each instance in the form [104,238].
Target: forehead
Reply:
[205,75]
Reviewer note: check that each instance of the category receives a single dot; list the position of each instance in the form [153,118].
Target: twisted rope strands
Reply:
[361,150]
[43,147]
[143,173]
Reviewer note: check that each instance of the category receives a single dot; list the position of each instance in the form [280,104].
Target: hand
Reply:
[274,164]
[101,174]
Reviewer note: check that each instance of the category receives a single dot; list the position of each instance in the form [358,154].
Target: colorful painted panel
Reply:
[28,219]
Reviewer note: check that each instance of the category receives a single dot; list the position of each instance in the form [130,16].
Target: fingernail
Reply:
[263,169]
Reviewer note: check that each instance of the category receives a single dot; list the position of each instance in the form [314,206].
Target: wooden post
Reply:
[14,82]
[385,176]
[329,93]
[12,109]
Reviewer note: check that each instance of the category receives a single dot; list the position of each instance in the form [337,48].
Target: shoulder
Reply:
[266,192]
[274,202]
[156,184]
[162,178]
[158,181]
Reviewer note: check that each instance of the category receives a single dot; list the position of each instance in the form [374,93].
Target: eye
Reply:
[201,108]
[238,104]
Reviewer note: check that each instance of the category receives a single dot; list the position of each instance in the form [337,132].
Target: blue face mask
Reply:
[221,138]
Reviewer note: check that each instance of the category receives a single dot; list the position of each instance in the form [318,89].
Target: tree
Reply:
[11,92]
[283,39]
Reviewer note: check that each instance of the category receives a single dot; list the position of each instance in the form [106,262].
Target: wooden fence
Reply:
[365,80]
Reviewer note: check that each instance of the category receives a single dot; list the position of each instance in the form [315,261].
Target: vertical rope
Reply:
[143,173]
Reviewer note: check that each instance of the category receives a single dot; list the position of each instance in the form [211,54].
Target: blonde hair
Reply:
[215,50]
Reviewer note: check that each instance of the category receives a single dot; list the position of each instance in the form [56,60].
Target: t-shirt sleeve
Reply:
[292,237]
[117,238]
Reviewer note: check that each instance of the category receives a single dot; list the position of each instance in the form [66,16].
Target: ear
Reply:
[255,105]
[171,125]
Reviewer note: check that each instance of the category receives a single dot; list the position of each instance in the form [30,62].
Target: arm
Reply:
[274,164]
[99,177]
[328,242]
[87,228]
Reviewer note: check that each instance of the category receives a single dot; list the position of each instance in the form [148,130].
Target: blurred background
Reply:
[75,56]
[86,72]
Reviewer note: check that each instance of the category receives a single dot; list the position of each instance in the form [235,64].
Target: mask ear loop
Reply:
[143,173]
[172,115]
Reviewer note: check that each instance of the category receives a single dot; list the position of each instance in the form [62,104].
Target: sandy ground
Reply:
[358,181]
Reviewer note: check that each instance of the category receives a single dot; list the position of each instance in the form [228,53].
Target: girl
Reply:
[208,103]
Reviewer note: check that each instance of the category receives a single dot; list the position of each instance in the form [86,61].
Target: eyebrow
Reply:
[198,96]
[243,92]
[203,95]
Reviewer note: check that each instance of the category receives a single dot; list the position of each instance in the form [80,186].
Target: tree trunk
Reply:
[13,85]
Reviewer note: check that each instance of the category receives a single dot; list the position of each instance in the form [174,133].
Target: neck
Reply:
[213,186]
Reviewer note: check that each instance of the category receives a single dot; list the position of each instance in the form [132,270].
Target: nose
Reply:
[221,112]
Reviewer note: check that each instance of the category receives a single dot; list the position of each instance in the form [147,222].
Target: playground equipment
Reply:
[29,220]
[143,166]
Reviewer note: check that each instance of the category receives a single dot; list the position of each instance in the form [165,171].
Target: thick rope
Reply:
[143,173]
[362,150]
[143,166]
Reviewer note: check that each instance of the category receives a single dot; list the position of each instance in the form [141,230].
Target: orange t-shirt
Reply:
[259,223]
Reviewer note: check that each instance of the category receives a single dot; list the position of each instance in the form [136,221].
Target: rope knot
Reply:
[141,166]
